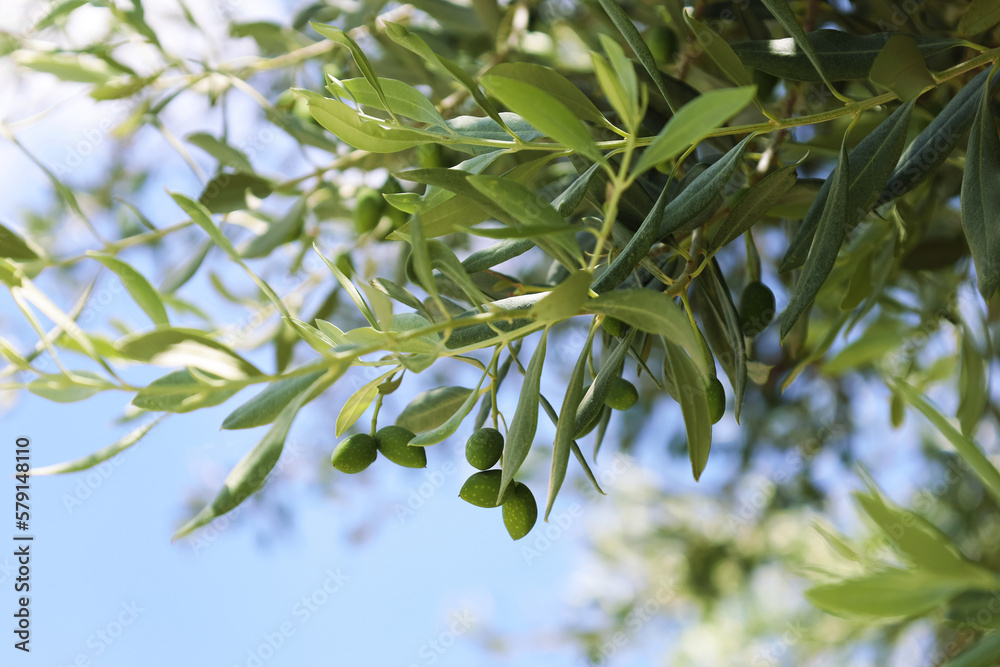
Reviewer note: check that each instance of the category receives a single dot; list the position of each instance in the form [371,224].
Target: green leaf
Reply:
[980,16]
[889,593]
[465,335]
[544,112]
[566,299]
[555,84]
[653,312]
[571,198]
[981,197]
[450,425]
[704,193]
[920,541]
[228,192]
[593,400]
[221,151]
[137,286]
[176,279]
[430,409]
[872,160]
[368,135]
[525,420]
[845,56]
[879,340]
[966,447]
[420,257]
[400,294]
[973,390]
[403,99]
[982,653]
[337,35]
[688,387]
[900,68]
[783,12]
[358,402]
[250,472]
[64,389]
[496,254]
[566,424]
[723,329]
[83,68]
[753,205]
[830,233]
[265,407]
[637,247]
[181,391]
[693,123]
[12,246]
[185,347]
[528,208]
[350,288]
[417,45]
[719,51]
[287,229]
[933,146]
[100,455]
[638,46]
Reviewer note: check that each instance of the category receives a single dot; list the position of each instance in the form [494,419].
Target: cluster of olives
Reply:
[356,452]
[520,511]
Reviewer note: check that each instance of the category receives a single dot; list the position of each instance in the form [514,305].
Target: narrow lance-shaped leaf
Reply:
[265,407]
[566,424]
[723,330]
[429,409]
[755,202]
[12,246]
[684,213]
[973,390]
[719,51]
[358,402]
[140,289]
[638,46]
[525,419]
[872,161]
[693,122]
[555,84]
[544,112]
[341,37]
[450,425]
[933,146]
[100,455]
[688,387]
[830,233]
[594,398]
[966,447]
[845,56]
[368,135]
[783,12]
[980,16]
[981,196]
[250,472]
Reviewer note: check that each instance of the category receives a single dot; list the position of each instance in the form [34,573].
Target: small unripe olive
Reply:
[716,395]
[484,448]
[368,207]
[520,511]
[483,488]
[622,395]
[756,308]
[354,453]
[393,442]
[616,328]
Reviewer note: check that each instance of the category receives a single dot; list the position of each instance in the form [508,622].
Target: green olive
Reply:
[716,395]
[520,511]
[483,488]
[393,442]
[354,453]
[616,328]
[756,308]
[483,448]
[368,207]
[622,395]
